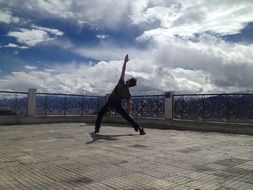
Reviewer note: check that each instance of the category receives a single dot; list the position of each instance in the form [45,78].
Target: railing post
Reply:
[168,107]
[31,102]
[82,106]
[65,105]
[16,103]
[45,107]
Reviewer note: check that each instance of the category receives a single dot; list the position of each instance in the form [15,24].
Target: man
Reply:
[121,91]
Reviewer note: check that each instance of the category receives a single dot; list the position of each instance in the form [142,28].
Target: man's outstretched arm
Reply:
[122,76]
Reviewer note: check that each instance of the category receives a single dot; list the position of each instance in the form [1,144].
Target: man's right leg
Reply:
[101,113]
[125,115]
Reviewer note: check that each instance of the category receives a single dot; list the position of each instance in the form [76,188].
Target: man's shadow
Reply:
[96,137]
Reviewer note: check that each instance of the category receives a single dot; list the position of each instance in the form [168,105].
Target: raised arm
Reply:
[122,76]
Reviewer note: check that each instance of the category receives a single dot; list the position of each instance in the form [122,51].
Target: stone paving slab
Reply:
[70,156]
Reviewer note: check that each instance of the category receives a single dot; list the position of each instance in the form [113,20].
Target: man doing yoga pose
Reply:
[120,92]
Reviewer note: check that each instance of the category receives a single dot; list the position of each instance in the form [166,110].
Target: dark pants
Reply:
[119,109]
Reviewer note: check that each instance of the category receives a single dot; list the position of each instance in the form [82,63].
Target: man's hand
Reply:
[122,76]
[126,59]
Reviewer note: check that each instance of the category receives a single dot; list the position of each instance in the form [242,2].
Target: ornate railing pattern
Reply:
[147,106]
[13,103]
[68,104]
[203,107]
[213,107]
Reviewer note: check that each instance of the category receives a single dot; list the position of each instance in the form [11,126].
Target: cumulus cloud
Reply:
[92,12]
[184,48]
[68,79]
[11,45]
[157,70]
[105,51]
[184,18]
[7,18]
[169,63]
[206,66]
[224,64]
[48,30]
[30,67]
[102,36]
[181,17]
[30,37]
[35,35]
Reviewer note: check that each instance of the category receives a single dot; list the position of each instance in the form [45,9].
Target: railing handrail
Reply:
[161,95]
[43,93]
[144,95]
[12,92]
[62,94]
[217,94]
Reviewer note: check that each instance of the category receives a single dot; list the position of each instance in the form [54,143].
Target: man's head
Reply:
[131,82]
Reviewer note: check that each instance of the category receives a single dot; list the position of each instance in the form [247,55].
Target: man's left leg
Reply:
[101,113]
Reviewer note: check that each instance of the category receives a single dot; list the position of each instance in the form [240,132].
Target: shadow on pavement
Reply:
[96,137]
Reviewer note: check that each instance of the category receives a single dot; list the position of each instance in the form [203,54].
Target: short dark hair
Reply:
[132,82]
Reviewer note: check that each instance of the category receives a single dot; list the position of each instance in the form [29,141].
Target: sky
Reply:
[78,47]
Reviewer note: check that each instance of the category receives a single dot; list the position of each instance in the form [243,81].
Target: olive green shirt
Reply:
[121,91]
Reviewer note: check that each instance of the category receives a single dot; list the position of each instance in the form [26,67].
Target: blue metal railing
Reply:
[237,107]
[13,103]
[68,104]
[147,106]
[213,107]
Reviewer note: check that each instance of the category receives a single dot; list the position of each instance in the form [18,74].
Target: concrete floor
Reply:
[70,156]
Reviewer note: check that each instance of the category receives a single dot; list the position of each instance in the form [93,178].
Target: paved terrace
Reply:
[70,156]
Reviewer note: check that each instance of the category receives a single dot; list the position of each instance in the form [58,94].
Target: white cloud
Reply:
[49,30]
[30,67]
[102,36]
[68,79]
[55,7]
[11,45]
[171,61]
[173,66]
[185,18]
[207,66]
[92,12]
[226,64]
[7,18]
[105,51]
[30,37]
[34,36]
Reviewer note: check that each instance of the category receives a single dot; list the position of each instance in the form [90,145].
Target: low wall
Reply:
[235,128]
[12,120]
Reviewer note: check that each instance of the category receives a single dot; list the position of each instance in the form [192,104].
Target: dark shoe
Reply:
[142,132]
[96,130]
